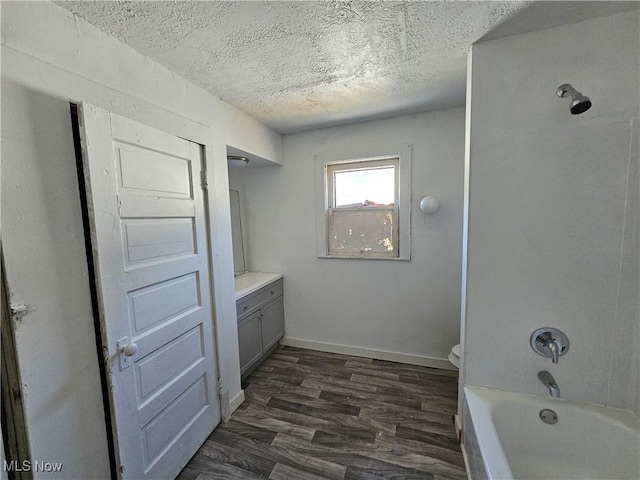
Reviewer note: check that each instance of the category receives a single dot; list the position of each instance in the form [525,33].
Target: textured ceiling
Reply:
[301,65]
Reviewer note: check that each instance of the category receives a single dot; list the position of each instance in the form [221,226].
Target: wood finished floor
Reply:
[312,415]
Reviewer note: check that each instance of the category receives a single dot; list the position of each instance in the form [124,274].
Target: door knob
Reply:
[129,349]
[125,349]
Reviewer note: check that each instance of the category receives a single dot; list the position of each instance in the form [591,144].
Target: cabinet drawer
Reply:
[255,300]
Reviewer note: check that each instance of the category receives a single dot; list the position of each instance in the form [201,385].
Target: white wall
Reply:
[43,244]
[553,211]
[410,308]
[49,58]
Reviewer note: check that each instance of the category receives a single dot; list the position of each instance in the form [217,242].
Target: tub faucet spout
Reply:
[547,379]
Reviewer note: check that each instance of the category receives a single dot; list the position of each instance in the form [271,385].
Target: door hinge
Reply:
[204,179]
[220,387]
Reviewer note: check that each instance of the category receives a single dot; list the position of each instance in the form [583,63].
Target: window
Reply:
[364,212]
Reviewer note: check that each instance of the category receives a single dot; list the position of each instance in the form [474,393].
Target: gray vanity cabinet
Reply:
[250,340]
[260,325]
[272,323]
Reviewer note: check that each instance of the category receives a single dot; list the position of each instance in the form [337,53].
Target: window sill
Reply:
[355,257]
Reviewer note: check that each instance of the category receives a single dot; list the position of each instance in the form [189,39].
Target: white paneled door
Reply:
[149,239]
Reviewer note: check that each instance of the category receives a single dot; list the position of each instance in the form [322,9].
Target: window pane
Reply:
[373,186]
[362,232]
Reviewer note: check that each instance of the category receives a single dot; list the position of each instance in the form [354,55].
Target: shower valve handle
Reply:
[549,342]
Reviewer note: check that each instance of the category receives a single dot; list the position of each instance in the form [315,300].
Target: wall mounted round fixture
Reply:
[237,162]
[429,205]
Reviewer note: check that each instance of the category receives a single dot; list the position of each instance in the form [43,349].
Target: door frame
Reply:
[14,426]
[205,138]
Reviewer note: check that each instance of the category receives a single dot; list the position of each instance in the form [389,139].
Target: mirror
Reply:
[239,266]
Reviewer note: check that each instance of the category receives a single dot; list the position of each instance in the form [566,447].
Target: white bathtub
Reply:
[506,439]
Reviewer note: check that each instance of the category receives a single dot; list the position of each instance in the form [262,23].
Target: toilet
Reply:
[454,356]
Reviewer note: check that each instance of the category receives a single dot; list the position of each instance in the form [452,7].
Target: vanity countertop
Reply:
[252,281]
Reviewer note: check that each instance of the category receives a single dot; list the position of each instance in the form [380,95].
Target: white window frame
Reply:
[403,205]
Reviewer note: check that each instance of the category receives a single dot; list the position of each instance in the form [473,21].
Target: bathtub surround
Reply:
[404,311]
[553,211]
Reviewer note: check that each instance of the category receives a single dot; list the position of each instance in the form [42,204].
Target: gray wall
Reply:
[406,307]
[553,210]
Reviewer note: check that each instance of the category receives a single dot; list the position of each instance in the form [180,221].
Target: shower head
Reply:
[579,103]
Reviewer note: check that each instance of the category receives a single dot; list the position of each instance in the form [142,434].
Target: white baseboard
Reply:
[458,426]
[236,401]
[466,462]
[369,353]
